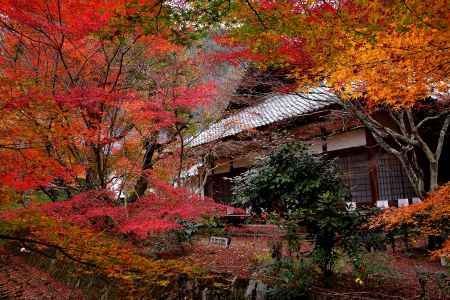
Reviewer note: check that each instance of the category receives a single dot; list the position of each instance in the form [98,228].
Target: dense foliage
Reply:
[355,45]
[429,218]
[81,252]
[391,56]
[88,92]
[92,95]
[96,96]
[288,180]
[303,191]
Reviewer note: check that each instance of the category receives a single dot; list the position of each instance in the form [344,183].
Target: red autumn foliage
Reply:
[155,213]
[78,111]
[69,98]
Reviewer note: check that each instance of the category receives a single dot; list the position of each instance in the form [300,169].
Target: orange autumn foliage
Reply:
[101,255]
[432,212]
[392,52]
[444,251]
[431,216]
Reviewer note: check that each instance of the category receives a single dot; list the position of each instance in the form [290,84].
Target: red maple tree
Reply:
[87,89]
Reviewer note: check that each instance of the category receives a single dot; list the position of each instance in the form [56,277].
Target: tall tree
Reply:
[91,93]
[85,84]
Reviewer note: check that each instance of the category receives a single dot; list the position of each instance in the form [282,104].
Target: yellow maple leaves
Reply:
[395,52]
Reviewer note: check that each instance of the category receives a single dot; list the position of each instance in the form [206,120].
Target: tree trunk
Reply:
[405,140]
[141,185]
[434,174]
[415,176]
[91,179]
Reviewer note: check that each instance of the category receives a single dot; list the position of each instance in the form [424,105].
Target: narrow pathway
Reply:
[19,280]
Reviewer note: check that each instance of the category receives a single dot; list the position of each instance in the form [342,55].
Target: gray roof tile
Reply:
[271,110]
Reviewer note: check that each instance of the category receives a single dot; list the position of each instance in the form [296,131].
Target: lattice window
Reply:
[355,174]
[393,182]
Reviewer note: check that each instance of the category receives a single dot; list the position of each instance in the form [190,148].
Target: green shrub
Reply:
[287,180]
[376,266]
[212,226]
[303,190]
[189,230]
[290,278]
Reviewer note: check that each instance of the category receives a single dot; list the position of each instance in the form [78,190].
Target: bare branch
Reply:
[256,14]
[423,145]
[59,248]
[442,135]
[430,118]
[400,121]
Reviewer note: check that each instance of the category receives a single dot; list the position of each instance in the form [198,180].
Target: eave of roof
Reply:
[273,109]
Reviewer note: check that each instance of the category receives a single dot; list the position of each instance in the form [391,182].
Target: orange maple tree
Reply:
[394,52]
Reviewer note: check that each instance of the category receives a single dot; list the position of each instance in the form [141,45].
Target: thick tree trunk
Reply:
[91,179]
[142,184]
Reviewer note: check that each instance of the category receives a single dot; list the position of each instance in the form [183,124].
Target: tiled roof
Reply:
[271,110]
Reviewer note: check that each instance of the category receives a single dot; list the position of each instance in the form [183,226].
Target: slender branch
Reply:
[109,62]
[430,118]
[400,121]
[59,248]
[383,131]
[442,135]
[180,135]
[66,67]
[256,14]
[83,65]
[21,34]
[119,73]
